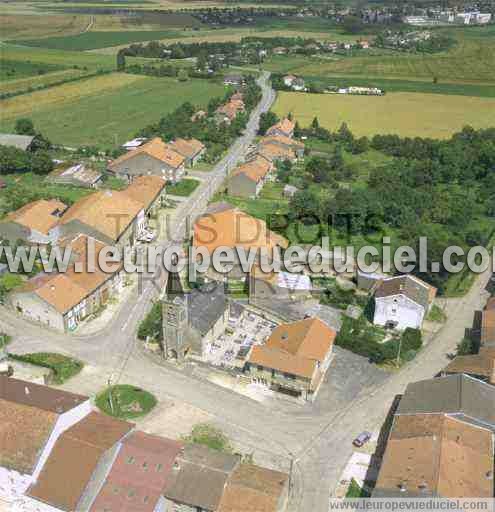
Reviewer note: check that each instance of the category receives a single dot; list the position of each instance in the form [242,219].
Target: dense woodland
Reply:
[440,189]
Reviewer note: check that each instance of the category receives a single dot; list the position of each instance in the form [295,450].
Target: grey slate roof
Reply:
[199,477]
[206,306]
[18,141]
[459,395]
[411,287]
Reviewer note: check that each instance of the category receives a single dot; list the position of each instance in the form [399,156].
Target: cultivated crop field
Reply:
[406,114]
[33,82]
[19,26]
[14,69]
[472,59]
[104,110]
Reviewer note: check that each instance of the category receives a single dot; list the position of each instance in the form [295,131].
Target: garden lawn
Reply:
[127,401]
[104,110]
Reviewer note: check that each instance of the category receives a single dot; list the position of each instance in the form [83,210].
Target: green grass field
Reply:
[104,110]
[405,114]
[64,58]
[14,69]
[93,40]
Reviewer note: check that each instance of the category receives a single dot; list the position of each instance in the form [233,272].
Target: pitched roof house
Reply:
[254,489]
[79,175]
[402,301]
[482,364]
[436,455]
[62,300]
[154,157]
[80,459]
[114,217]
[33,418]
[295,357]
[223,225]
[464,397]
[33,222]
[276,153]
[199,477]
[191,149]
[285,142]
[23,142]
[248,179]
[285,127]
[141,471]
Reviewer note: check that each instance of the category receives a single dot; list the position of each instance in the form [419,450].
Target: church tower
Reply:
[175,319]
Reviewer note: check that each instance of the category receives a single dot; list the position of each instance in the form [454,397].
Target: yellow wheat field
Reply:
[406,114]
[26,104]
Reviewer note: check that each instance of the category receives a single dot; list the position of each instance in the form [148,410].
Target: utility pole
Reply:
[398,352]
[291,469]
[110,399]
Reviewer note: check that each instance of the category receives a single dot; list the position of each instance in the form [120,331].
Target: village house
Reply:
[62,300]
[152,158]
[402,301]
[199,478]
[274,153]
[33,418]
[294,82]
[197,116]
[248,179]
[444,429]
[227,112]
[285,142]
[33,223]
[294,359]
[255,488]
[57,455]
[222,225]
[115,217]
[191,149]
[83,454]
[78,175]
[289,191]
[285,127]
[24,142]
[481,365]
[139,474]
[134,143]
[279,50]
[235,80]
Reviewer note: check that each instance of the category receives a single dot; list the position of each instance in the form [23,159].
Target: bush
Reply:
[411,339]
[151,326]
[209,436]
[63,367]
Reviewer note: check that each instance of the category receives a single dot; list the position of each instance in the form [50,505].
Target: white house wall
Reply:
[399,309]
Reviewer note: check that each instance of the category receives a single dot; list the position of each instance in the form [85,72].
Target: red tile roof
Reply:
[139,474]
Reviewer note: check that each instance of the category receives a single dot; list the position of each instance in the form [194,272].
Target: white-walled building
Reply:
[402,301]
[33,417]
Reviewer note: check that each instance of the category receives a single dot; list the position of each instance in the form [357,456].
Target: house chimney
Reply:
[26,391]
